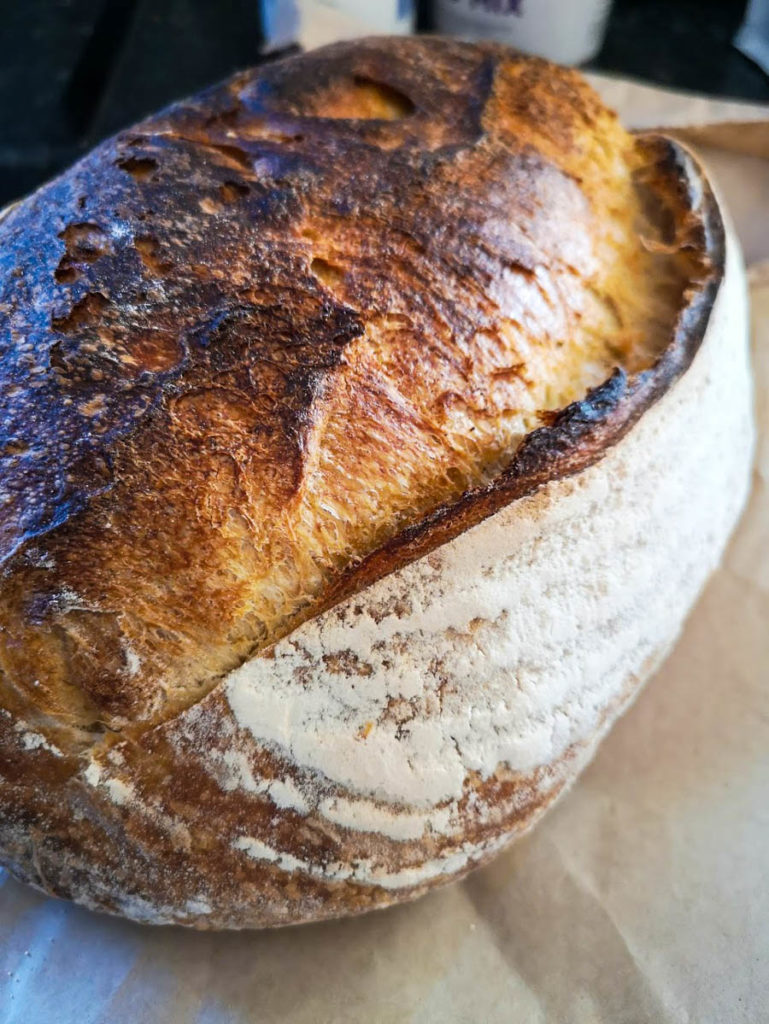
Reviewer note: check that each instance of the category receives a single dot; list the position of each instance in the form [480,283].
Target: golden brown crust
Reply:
[209,306]
[225,328]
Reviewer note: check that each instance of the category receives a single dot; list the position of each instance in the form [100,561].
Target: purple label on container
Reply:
[495,6]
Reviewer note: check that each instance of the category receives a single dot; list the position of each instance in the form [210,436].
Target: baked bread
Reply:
[372,420]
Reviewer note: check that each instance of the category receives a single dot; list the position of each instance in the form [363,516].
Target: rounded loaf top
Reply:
[288,334]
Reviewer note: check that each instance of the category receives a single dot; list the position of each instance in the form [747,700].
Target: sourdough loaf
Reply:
[371,422]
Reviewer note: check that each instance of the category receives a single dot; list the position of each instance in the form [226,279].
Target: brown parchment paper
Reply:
[643,896]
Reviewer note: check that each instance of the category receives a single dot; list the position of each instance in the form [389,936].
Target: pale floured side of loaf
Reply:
[505,648]
[406,734]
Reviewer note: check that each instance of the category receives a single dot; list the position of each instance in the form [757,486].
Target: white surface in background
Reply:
[647,106]
[569,33]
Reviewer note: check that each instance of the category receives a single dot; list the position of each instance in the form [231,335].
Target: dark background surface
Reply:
[682,44]
[74,71]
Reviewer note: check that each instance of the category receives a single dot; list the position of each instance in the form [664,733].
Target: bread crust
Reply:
[209,812]
[179,354]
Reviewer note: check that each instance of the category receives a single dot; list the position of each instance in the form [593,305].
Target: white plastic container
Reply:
[753,36]
[566,31]
[325,21]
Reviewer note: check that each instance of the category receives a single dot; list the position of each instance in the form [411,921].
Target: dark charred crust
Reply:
[171,324]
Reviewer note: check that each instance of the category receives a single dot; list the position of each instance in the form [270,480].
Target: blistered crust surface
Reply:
[305,319]
[408,733]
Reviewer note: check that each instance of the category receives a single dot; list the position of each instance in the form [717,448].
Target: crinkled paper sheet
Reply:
[644,895]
